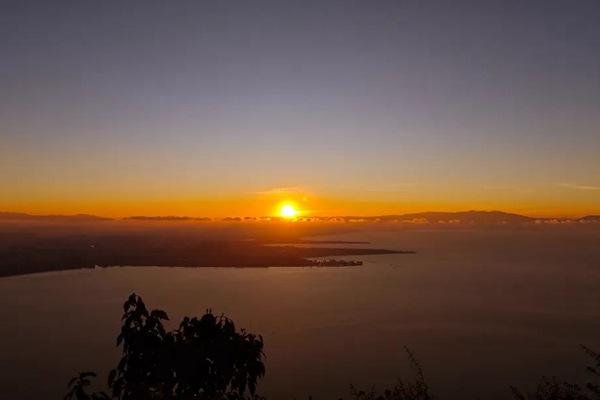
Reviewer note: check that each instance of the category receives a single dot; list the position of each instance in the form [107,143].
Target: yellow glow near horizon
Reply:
[563,204]
[288,211]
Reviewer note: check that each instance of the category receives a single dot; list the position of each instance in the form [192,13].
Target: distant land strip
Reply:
[77,252]
[472,217]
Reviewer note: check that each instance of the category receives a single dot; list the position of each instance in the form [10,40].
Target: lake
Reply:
[481,309]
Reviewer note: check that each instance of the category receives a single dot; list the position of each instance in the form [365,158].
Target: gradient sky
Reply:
[346,107]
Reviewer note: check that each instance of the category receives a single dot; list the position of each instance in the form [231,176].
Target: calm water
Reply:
[482,310]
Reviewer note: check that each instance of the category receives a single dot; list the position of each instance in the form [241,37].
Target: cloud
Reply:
[281,191]
[578,187]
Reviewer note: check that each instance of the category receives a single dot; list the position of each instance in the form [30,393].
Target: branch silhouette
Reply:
[207,358]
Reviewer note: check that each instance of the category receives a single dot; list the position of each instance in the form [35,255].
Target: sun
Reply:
[288,211]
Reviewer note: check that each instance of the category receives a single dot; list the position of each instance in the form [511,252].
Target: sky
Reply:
[216,108]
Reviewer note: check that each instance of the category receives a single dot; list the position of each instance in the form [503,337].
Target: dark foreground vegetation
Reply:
[207,358]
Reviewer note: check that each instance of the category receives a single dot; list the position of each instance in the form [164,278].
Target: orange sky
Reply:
[365,109]
[558,201]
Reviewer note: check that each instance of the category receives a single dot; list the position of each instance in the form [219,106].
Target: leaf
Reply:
[160,314]
[111,376]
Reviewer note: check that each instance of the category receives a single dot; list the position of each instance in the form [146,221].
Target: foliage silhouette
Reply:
[552,389]
[417,390]
[555,389]
[208,359]
[205,358]
[78,388]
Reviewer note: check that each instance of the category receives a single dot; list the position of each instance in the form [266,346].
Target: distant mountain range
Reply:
[473,217]
[464,217]
[166,218]
[12,216]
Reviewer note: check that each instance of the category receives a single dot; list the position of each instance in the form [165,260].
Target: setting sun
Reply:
[288,211]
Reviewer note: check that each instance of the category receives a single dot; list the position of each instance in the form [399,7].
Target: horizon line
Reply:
[183,218]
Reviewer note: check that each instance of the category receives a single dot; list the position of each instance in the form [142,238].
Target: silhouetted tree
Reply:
[208,359]
[79,386]
[593,387]
[555,389]
[205,358]
[417,390]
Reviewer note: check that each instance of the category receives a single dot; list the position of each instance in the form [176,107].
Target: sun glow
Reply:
[288,211]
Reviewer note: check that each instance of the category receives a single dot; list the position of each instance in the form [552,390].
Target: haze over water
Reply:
[482,309]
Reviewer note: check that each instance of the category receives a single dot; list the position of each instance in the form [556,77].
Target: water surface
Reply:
[481,309]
